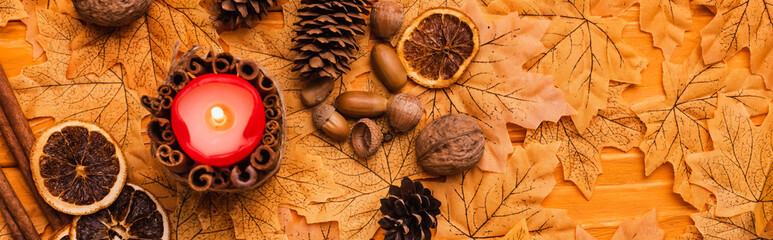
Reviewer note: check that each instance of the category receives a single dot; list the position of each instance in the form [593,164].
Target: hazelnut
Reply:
[330,122]
[359,104]
[111,13]
[316,92]
[387,67]
[404,112]
[450,144]
[386,18]
[366,138]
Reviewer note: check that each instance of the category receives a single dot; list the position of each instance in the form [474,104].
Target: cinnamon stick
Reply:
[12,226]
[19,138]
[8,195]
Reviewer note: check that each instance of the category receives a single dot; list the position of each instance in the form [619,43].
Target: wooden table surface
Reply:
[622,191]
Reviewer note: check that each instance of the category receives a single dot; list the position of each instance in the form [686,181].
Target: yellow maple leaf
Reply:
[738,170]
[741,24]
[583,52]
[494,91]
[482,205]
[691,233]
[676,123]
[643,228]
[519,232]
[739,227]
[580,152]
[296,227]
[666,20]
[185,224]
[144,47]
[11,10]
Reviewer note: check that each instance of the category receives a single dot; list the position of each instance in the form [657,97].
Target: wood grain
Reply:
[622,192]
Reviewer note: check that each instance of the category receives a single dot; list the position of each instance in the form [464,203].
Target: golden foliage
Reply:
[11,10]
[482,205]
[643,228]
[676,123]
[580,152]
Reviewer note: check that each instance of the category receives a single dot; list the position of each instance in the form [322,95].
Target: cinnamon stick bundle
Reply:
[244,178]
[20,132]
[201,177]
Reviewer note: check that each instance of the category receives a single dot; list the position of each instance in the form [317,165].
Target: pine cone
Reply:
[409,211]
[325,36]
[232,14]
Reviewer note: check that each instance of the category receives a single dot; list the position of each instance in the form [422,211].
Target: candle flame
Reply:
[218,115]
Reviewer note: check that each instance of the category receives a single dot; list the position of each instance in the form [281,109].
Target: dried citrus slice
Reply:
[438,47]
[136,214]
[77,168]
[62,234]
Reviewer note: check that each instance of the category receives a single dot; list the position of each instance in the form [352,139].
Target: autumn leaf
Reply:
[581,234]
[302,179]
[184,222]
[493,91]
[737,171]
[580,152]
[583,52]
[296,227]
[741,24]
[691,233]
[740,227]
[666,20]
[11,10]
[676,123]
[519,232]
[482,205]
[32,7]
[143,48]
[643,228]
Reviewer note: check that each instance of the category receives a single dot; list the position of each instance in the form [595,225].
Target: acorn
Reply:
[387,67]
[366,138]
[386,18]
[404,112]
[360,104]
[111,13]
[330,122]
[316,92]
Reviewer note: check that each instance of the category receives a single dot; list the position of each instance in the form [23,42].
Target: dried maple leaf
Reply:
[482,205]
[11,10]
[32,7]
[676,123]
[580,152]
[738,170]
[494,90]
[184,222]
[296,227]
[143,47]
[740,227]
[741,24]
[519,232]
[584,52]
[691,233]
[666,20]
[43,90]
[643,228]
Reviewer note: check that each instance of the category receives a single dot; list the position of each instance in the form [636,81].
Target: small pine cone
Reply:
[325,37]
[409,212]
[232,14]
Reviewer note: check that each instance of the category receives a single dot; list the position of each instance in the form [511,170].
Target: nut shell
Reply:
[404,112]
[450,144]
[386,18]
[366,138]
[387,67]
[111,13]
[316,92]
[360,104]
[330,122]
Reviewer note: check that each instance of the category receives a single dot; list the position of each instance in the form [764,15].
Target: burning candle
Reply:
[218,119]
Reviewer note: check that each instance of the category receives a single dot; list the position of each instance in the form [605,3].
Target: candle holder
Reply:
[248,173]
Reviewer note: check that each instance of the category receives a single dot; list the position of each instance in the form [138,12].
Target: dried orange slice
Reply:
[62,234]
[78,168]
[136,214]
[438,47]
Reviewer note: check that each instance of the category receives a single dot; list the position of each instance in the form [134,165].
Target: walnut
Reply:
[450,144]
[111,13]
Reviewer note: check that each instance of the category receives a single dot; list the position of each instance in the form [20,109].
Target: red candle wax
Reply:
[218,119]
